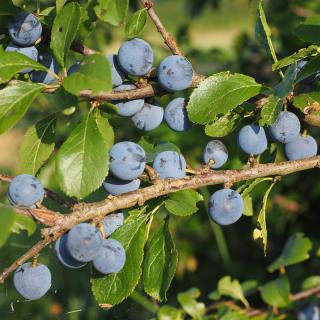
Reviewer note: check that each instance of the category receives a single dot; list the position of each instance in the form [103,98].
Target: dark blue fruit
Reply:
[117,74]
[170,165]
[112,222]
[135,57]
[176,115]
[215,154]
[175,73]
[116,186]
[42,76]
[309,312]
[301,148]
[252,139]
[225,206]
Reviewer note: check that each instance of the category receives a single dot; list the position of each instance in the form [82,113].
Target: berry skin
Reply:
[73,68]
[30,52]
[111,257]
[170,165]
[135,57]
[176,115]
[286,128]
[25,29]
[32,282]
[301,148]
[149,117]
[225,206]
[25,191]
[127,160]
[175,73]
[116,186]
[131,107]
[215,154]
[252,139]
[112,222]
[309,312]
[117,74]
[63,254]
[84,241]
[42,76]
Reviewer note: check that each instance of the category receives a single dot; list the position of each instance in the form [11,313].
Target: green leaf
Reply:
[303,100]
[105,128]
[7,219]
[234,315]
[170,313]
[262,220]
[190,305]
[14,102]
[285,87]
[82,161]
[59,5]
[220,94]
[295,250]
[312,67]
[232,288]
[114,288]
[277,292]
[22,222]
[183,203]
[223,126]
[270,110]
[136,23]
[93,74]
[309,30]
[113,12]
[310,282]
[13,62]
[249,287]
[160,263]
[38,144]
[301,54]
[64,30]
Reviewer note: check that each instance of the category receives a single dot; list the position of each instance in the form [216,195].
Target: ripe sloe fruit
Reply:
[42,76]
[309,312]
[170,165]
[252,139]
[117,74]
[112,222]
[176,115]
[116,186]
[215,154]
[300,148]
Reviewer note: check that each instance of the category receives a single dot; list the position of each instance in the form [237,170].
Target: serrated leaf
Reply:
[59,5]
[223,126]
[38,144]
[82,161]
[136,23]
[312,67]
[170,313]
[303,100]
[14,102]
[190,305]
[232,288]
[113,12]
[247,206]
[270,110]
[183,203]
[7,219]
[114,288]
[295,250]
[13,62]
[24,223]
[309,29]
[285,87]
[277,292]
[160,263]
[64,30]
[220,94]
[105,128]
[93,74]
[301,54]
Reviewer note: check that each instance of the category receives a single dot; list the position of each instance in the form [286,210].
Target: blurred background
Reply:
[215,35]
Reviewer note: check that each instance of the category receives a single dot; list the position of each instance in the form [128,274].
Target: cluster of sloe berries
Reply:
[25,30]
[83,243]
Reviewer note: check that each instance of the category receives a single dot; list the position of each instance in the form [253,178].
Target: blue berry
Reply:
[170,165]
[215,154]
[309,312]
[176,115]
[73,68]
[25,191]
[64,255]
[112,222]
[252,139]
[117,74]
[131,107]
[286,128]
[116,186]
[175,73]
[127,160]
[135,57]
[111,257]
[225,206]
[30,52]
[149,117]
[32,282]
[301,148]
[42,76]
[84,241]
[25,29]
